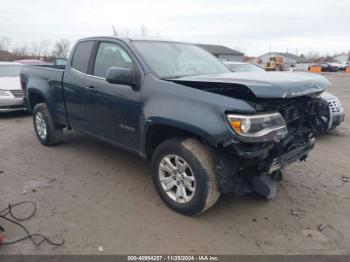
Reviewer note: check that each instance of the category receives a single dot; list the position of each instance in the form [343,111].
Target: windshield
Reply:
[10,70]
[168,59]
[244,68]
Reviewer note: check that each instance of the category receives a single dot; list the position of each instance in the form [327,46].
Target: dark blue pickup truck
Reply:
[205,129]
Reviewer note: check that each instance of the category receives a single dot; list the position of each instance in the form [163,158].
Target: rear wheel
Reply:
[183,174]
[45,128]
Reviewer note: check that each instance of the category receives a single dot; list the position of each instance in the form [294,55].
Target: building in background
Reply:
[342,58]
[290,60]
[223,52]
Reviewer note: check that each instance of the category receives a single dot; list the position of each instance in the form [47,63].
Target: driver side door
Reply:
[117,108]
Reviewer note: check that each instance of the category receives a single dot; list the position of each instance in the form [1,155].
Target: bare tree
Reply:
[115,31]
[125,33]
[312,56]
[61,48]
[34,49]
[143,31]
[5,43]
[21,50]
[44,48]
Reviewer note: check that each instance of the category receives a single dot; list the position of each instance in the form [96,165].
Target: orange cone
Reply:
[315,69]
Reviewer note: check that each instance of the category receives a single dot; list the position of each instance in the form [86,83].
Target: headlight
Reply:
[4,93]
[259,127]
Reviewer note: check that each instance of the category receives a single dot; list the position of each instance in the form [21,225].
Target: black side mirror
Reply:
[121,76]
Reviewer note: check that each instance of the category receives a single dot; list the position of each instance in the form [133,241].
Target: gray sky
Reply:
[252,26]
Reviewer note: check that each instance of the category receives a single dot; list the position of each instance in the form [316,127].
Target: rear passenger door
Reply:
[117,108]
[74,84]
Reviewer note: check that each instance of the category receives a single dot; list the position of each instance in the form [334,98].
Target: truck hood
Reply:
[260,84]
[10,83]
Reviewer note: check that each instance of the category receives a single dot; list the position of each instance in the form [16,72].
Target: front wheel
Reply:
[46,130]
[183,174]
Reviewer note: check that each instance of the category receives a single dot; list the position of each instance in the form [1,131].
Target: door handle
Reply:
[92,89]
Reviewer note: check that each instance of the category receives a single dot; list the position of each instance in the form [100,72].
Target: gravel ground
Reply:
[95,195]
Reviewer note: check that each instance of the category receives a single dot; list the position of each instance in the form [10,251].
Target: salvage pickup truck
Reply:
[206,130]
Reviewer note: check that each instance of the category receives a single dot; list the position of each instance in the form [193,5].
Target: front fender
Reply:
[190,128]
[194,111]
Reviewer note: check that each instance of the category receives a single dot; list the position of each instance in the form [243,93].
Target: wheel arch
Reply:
[161,130]
[35,97]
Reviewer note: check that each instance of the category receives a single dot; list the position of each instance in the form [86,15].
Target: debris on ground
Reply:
[322,227]
[37,239]
[297,213]
[24,192]
[315,235]
[345,179]
[100,248]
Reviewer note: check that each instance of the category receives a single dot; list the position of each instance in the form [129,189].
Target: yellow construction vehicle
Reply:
[275,64]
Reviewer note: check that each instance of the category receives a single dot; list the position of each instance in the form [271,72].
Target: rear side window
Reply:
[81,56]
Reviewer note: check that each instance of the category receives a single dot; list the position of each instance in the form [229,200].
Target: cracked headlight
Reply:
[4,93]
[258,127]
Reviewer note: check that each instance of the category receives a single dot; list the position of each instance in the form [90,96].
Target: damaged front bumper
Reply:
[256,167]
[243,170]
[299,153]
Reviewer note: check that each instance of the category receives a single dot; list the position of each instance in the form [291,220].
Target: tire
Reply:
[200,169]
[53,134]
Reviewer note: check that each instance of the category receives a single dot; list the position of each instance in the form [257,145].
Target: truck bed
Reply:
[44,72]
[45,81]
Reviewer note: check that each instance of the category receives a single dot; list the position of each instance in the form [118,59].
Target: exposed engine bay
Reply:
[244,167]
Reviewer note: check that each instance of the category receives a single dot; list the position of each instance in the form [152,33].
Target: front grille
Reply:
[335,106]
[17,93]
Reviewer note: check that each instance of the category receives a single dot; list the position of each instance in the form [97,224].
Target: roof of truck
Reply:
[130,39]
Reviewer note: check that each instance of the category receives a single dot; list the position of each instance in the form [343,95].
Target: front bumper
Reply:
[271,159]
[337,119]
[9,104]
[239,163]
[300,152]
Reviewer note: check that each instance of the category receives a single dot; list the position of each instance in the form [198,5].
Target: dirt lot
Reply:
[95,195]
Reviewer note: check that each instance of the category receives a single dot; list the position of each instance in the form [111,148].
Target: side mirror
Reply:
[121,76]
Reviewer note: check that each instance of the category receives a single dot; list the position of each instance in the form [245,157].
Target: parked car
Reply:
[60,62]
[31,62]
[326,67]
[11,93]
[205,129]
[335,106]
[338,114]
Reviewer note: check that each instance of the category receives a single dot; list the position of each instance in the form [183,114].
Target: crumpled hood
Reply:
[10,83]
[265,84]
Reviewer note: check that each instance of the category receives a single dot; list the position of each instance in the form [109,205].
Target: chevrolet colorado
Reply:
[206,130]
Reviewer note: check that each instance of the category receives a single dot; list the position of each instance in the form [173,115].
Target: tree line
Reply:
[44,50]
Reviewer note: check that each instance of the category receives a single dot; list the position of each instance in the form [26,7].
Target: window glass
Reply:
[169,59]
[81,56]
[10,70]
[110,55]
